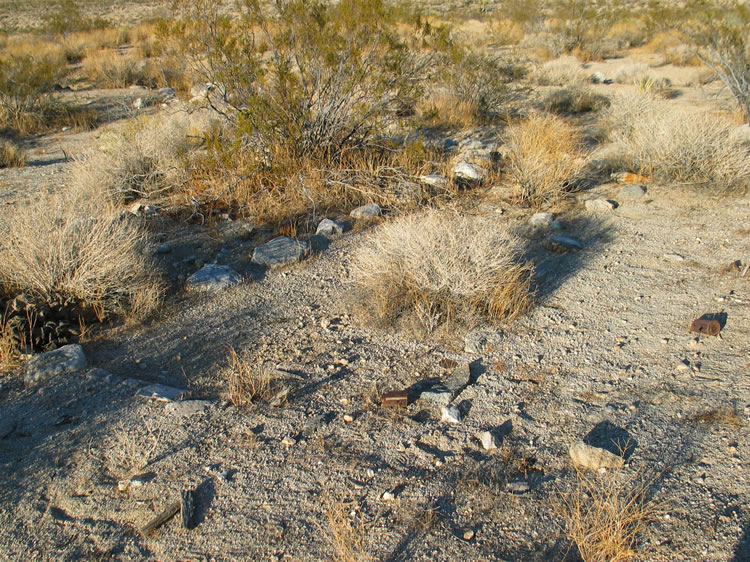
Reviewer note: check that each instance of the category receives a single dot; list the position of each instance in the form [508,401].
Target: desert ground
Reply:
[587,420]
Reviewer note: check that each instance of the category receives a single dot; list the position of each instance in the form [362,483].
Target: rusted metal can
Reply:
[395,399]
[705,326]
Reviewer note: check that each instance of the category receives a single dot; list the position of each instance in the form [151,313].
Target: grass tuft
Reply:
[246,383]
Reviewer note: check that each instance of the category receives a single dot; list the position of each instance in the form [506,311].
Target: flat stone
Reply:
[449,414]
[328,227]
[567,242]
[594,458]
[438,395]
[161,393]
[67,359]
[435,180]
[468,171]
[212,277]
[366,211]
[600,205]
[674,258]
[542,219]
[281,251]
[632,191]
[187,407]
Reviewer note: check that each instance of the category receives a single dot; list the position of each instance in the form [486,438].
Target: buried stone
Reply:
[212,277]
[67,359]
[281,251]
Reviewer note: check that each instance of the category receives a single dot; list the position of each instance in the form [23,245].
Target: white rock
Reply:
[161,393]
[487,440]
[388,496]
[449,414]
[593,458]
[328,227]
[541,219]
[600,205]
[212,277]
[468,171]
[435,180]
[67,359]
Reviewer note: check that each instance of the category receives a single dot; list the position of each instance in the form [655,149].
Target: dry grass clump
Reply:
[574,100]
[347,531]
[563,71]
[10,155]
[246,383]
[72,247]
[631,73]
[674,146]
[719,416]
[144,160]
[545,156]
[111,69]
[436,270]
[605,513]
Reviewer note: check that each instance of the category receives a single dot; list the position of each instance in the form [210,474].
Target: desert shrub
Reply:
[66,16]
[246,381]
[545,156]
[560,72]
[574,100]
[581,24]
[419,271]
[631,73]
[677,147]
[604,515]
[110,69]
[71,248]
[11,156]
[26,85]
[144,160]
[721,33]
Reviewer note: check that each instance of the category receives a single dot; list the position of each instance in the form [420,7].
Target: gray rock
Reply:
[212,277]
[459,380]
[281,251]
[518,487]
[187,407]
[200,90]
[632,192]
[468,171]
[435,180]
[487,440]
[102,375]
[439,395]
[594,458]
[598,78]
[674,258]
[366,211]
[313,425]
[164,248]
[328,227]
[166,94]
[542,219]
[600,205]
[161,393]
[567,242]
[449,414]
[68,359]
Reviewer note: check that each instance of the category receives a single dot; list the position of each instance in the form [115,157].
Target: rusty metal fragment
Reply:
[705,326]
[395,399]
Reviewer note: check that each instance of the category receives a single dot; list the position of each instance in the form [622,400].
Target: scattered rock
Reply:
[388,496]
[101,375]
[438,394]
[161,393]
[600,205]
[435,180]
[469,172]
[518,487]
[187,408]
[212,277]
[632,192]
[366,211]
[487,440]
[449,414]
[566,242]
[67,359]
[542,219]
[201,90]
[281,251]
[592,457]
[674,258]
[328,227]
[460,379]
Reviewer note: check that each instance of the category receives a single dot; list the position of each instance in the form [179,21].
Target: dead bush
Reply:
[11,156]
[674,146]
[574,100]
[246,382]
[545,156]
[436,270]
[72,247]
[605,513]
[347,531]
[145,159]
[111,69]
[563,71]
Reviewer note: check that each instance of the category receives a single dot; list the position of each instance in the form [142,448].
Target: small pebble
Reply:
[288,441]
[468,535]
[388,496]
[348,418]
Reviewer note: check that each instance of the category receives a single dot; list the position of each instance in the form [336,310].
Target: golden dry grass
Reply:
[11,156]
[246,382]
[111,69]
[74,247]
[346,532]
[563,71]
[545,156]
[605,514]
[437,270]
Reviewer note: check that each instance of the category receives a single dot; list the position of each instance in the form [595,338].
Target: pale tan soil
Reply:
[607,341]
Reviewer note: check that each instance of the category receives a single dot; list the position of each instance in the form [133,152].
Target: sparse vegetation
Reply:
[11,156]
[605,513]
[574,100]
[246,382]
[545,158]
[419,272]
[346,529]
